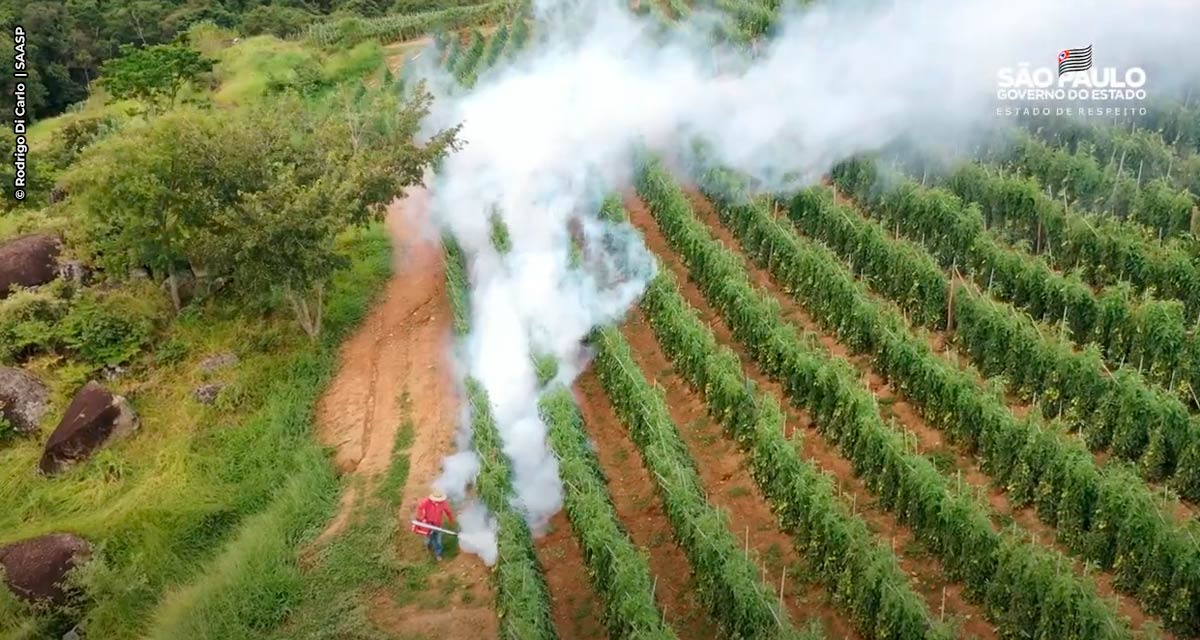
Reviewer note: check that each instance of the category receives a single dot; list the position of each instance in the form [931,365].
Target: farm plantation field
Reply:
[705,328]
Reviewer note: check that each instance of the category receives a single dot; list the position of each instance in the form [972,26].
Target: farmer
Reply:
[435,511]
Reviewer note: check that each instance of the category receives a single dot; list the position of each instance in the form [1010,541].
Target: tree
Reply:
[153,75]
[353,157]
[257,196]
[147,192]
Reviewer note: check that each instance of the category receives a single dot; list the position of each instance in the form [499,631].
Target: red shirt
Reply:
[435,513]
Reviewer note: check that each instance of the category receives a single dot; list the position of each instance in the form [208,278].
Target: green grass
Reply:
[224,492]
[250,69]
[199,517]
[267,583]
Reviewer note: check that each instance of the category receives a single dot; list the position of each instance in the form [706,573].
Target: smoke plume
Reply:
[548,135]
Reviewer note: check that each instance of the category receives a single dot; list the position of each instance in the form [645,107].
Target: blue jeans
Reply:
[433,542]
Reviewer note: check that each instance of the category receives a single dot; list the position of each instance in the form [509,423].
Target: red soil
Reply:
[573,602]
[394,370]
[640,511]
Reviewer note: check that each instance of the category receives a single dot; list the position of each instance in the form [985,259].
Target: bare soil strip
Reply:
[929,441]
[922,568]
[641,512]
[573,602]
[395,369]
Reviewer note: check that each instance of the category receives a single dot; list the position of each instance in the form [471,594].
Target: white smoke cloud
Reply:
[546,137]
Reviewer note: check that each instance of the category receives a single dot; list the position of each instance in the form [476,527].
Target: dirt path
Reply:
[929,440]
[640,511]
[576,608]
[730,488]
[924,570]
[396,53]
[395,369]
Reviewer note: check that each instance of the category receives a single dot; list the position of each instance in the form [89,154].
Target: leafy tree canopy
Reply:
[256,197]
[154,75]
[69,40]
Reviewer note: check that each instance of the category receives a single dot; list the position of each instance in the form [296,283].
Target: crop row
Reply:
[457,284]
[1150,333]
[1117,411]
[350,31]
[864,578]
[1154,150]
[619,572]
[1022,586]
[1155,205]
[465,64]
[1108,517]
[518,34]
[522,598]
[1104,250]
[751,19]
[495,46]
[727,580]
[454,49]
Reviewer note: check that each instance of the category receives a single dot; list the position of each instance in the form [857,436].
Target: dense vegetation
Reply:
[194,535]
[217,170]
[1020,583]
[1099,512]
[70,41]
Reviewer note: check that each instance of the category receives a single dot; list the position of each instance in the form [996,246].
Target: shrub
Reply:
[7,430]
[108,329]
[275,20]
[170,352]
[28,321]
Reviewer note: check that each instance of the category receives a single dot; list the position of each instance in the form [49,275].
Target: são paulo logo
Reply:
[1076,79]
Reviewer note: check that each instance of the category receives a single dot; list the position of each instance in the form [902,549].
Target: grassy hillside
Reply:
[197,518]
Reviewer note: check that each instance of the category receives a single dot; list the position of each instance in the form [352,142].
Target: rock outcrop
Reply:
[28,261]
[94,416]
[23,399]
[207,393]
[35,568]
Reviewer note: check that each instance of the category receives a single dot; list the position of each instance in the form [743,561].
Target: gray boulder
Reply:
[23,399]
[207,393]
[94,416]
[35,568]
[28,261]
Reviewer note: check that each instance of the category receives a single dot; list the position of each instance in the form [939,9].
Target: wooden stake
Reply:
[782,580]
[950,308]
[943,614]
